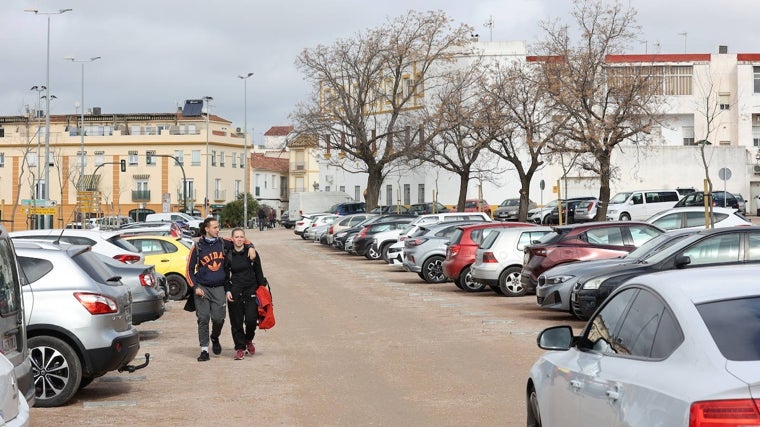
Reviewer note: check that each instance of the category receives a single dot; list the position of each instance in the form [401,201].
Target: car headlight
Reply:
[553,280]
[595,283]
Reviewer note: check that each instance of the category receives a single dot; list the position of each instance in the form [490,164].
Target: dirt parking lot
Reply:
[356,343]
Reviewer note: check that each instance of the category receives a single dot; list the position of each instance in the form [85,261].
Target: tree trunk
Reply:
[522,214]
[374,182]
[605,175]
[464,179]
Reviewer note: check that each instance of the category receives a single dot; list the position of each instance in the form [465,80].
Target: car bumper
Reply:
[486,274]
[555,297]
[528,283]
[584,303]
[25,381]
[411,267]
[123,349]
[145,311]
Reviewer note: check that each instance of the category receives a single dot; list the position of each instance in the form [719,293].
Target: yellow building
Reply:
[156,150]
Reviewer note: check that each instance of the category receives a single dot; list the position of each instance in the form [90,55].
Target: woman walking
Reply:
[243,278]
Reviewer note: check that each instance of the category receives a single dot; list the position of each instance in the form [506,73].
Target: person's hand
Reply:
[229,296]
[251,253]
[199,292]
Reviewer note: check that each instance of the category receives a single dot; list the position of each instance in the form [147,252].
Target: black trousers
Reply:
[244,313]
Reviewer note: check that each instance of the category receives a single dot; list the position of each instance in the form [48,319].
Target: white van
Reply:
[640,205]
[194,224]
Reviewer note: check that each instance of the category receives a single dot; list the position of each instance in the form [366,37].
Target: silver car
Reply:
[498,260]
[509,210]
[78,316]
[108,243]
[666,349]
[143,283]
[425,250]
[556,284]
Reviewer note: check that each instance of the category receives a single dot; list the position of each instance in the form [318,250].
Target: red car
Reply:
[460,253]
[581,242]
[471,205]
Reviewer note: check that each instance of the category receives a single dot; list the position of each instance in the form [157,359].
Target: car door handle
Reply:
[613,394]
[165,260]
[577,385]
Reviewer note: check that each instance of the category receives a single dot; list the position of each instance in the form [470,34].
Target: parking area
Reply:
[357,342]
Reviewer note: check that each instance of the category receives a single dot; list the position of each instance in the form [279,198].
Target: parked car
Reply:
[347,208]
[108,243]
[340,238]
[568,210]
[344,223]
[556,284]
[498,261]
[321,223]
[719,198]
[640,205]
[460,253]
[13,407]
[169,255]
[663,350]
[539,215]
[694,217]
[13,343]
[362,242]
[427,208]
[475,205]
[397,209]
[585,210]
[78,317]
[742,203]
[425,250]
[717,246]
[286,221]
[509,210]
[194,225]
[168,229]
[147,295]
[305,222]
[577,242]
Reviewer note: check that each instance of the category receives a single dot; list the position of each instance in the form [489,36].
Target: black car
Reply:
[427,208]
[717,246]
[364,238]
[719,198]
[339,239]
[286,221]
[568,210]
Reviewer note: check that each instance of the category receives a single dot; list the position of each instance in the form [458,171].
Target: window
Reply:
[756,72]
[673,79]
[221,158]
[149,157]
[420,193]
[132,158]
[100,158]
[218,189]
[234,160]
[641,234]
[195,157]
[600,333]
[242,161]
[180,157]
[2,160]
[142,186]
[342,188]
[213,157]
[754,247]
[81,159]
[605,236]
[31,159]
[715,250]
[389,194]
[724,100]
[357,192]
[408,194]
[722,318]
[39,188]
[756,136]
[299,160]
[274,183]
[637,332]
[238,186]
[688,135]
[9,287]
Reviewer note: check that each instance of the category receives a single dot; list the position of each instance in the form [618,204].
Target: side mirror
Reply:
[556,338]
[682,261]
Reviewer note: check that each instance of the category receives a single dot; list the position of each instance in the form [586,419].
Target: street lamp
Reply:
[39,90]
[81,130]
[46,193]
[245,147]
[208,100]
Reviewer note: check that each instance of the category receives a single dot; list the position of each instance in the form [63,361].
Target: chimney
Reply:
[96,111]
[722,49]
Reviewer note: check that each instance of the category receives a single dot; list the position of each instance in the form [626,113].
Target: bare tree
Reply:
[603,104]
[451,123]
[367,91]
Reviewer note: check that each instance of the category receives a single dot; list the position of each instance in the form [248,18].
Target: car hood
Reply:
[586,267]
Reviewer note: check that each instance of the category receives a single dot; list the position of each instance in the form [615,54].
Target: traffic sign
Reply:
[724,174]
[42,211]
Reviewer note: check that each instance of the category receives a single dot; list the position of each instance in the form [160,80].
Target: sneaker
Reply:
[250,348]
[239,355]
[215,346]
[204,356]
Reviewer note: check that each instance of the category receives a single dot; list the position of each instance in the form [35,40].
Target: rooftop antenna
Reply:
[489,25]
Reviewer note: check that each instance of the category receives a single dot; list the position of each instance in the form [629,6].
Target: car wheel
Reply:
[57,371]
[469,285]
[458,283]
[85,382]
[373,253]
[177,287]
[422,276]
[510,283]
[432,269]
[384,252]
[534,414]
[625,217]
[303,236]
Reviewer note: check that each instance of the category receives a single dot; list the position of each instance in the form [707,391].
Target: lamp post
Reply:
[45,192]
[81,130]
[245,147]
[208,100]
[39,90]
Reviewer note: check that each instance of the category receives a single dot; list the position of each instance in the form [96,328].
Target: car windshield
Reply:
[510,202]
[722,318]
[620,198]
[470,204]
[654,245]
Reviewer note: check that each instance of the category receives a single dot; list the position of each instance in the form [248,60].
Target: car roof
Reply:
[70,232]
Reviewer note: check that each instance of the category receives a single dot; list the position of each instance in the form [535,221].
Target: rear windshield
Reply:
[490,238]
[95,268]
[123,243]
[456,236]
[723,317]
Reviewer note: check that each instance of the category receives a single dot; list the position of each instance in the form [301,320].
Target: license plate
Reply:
[9,344]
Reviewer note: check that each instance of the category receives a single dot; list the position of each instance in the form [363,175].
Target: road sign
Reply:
[41,211]
[724,174]
[37,202]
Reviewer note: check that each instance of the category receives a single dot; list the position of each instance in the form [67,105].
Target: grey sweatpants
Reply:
[210,308]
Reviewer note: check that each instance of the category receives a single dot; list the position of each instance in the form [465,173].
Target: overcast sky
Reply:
[156,54]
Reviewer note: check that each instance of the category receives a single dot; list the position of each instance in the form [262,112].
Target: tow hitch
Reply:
[132,368]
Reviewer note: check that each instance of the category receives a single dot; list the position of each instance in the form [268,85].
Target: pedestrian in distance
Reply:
[244,276]
[262,217]
[206,278]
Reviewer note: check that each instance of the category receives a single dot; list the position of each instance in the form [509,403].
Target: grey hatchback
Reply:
[78,317]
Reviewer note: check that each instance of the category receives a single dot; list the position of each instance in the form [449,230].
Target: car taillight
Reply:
[453,250]
[96,303]
[538,251]
[299,223]
[415,242]
[330,230]
[127,258]
[488,257]
[147,280]
[174,233]
[363,232]
[724,413]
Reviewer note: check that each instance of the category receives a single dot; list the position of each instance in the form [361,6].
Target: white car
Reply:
[109,243]
[319,223]
[499,259]
[305,222]
[13,407]
[677,348]
[693,217]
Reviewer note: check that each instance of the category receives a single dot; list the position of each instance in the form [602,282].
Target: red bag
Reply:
[266,309]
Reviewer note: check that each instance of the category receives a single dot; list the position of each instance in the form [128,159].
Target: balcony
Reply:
[190,196]
[141,195]
[220,195]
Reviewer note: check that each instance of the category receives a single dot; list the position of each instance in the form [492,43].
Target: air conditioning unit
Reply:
[757,169]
